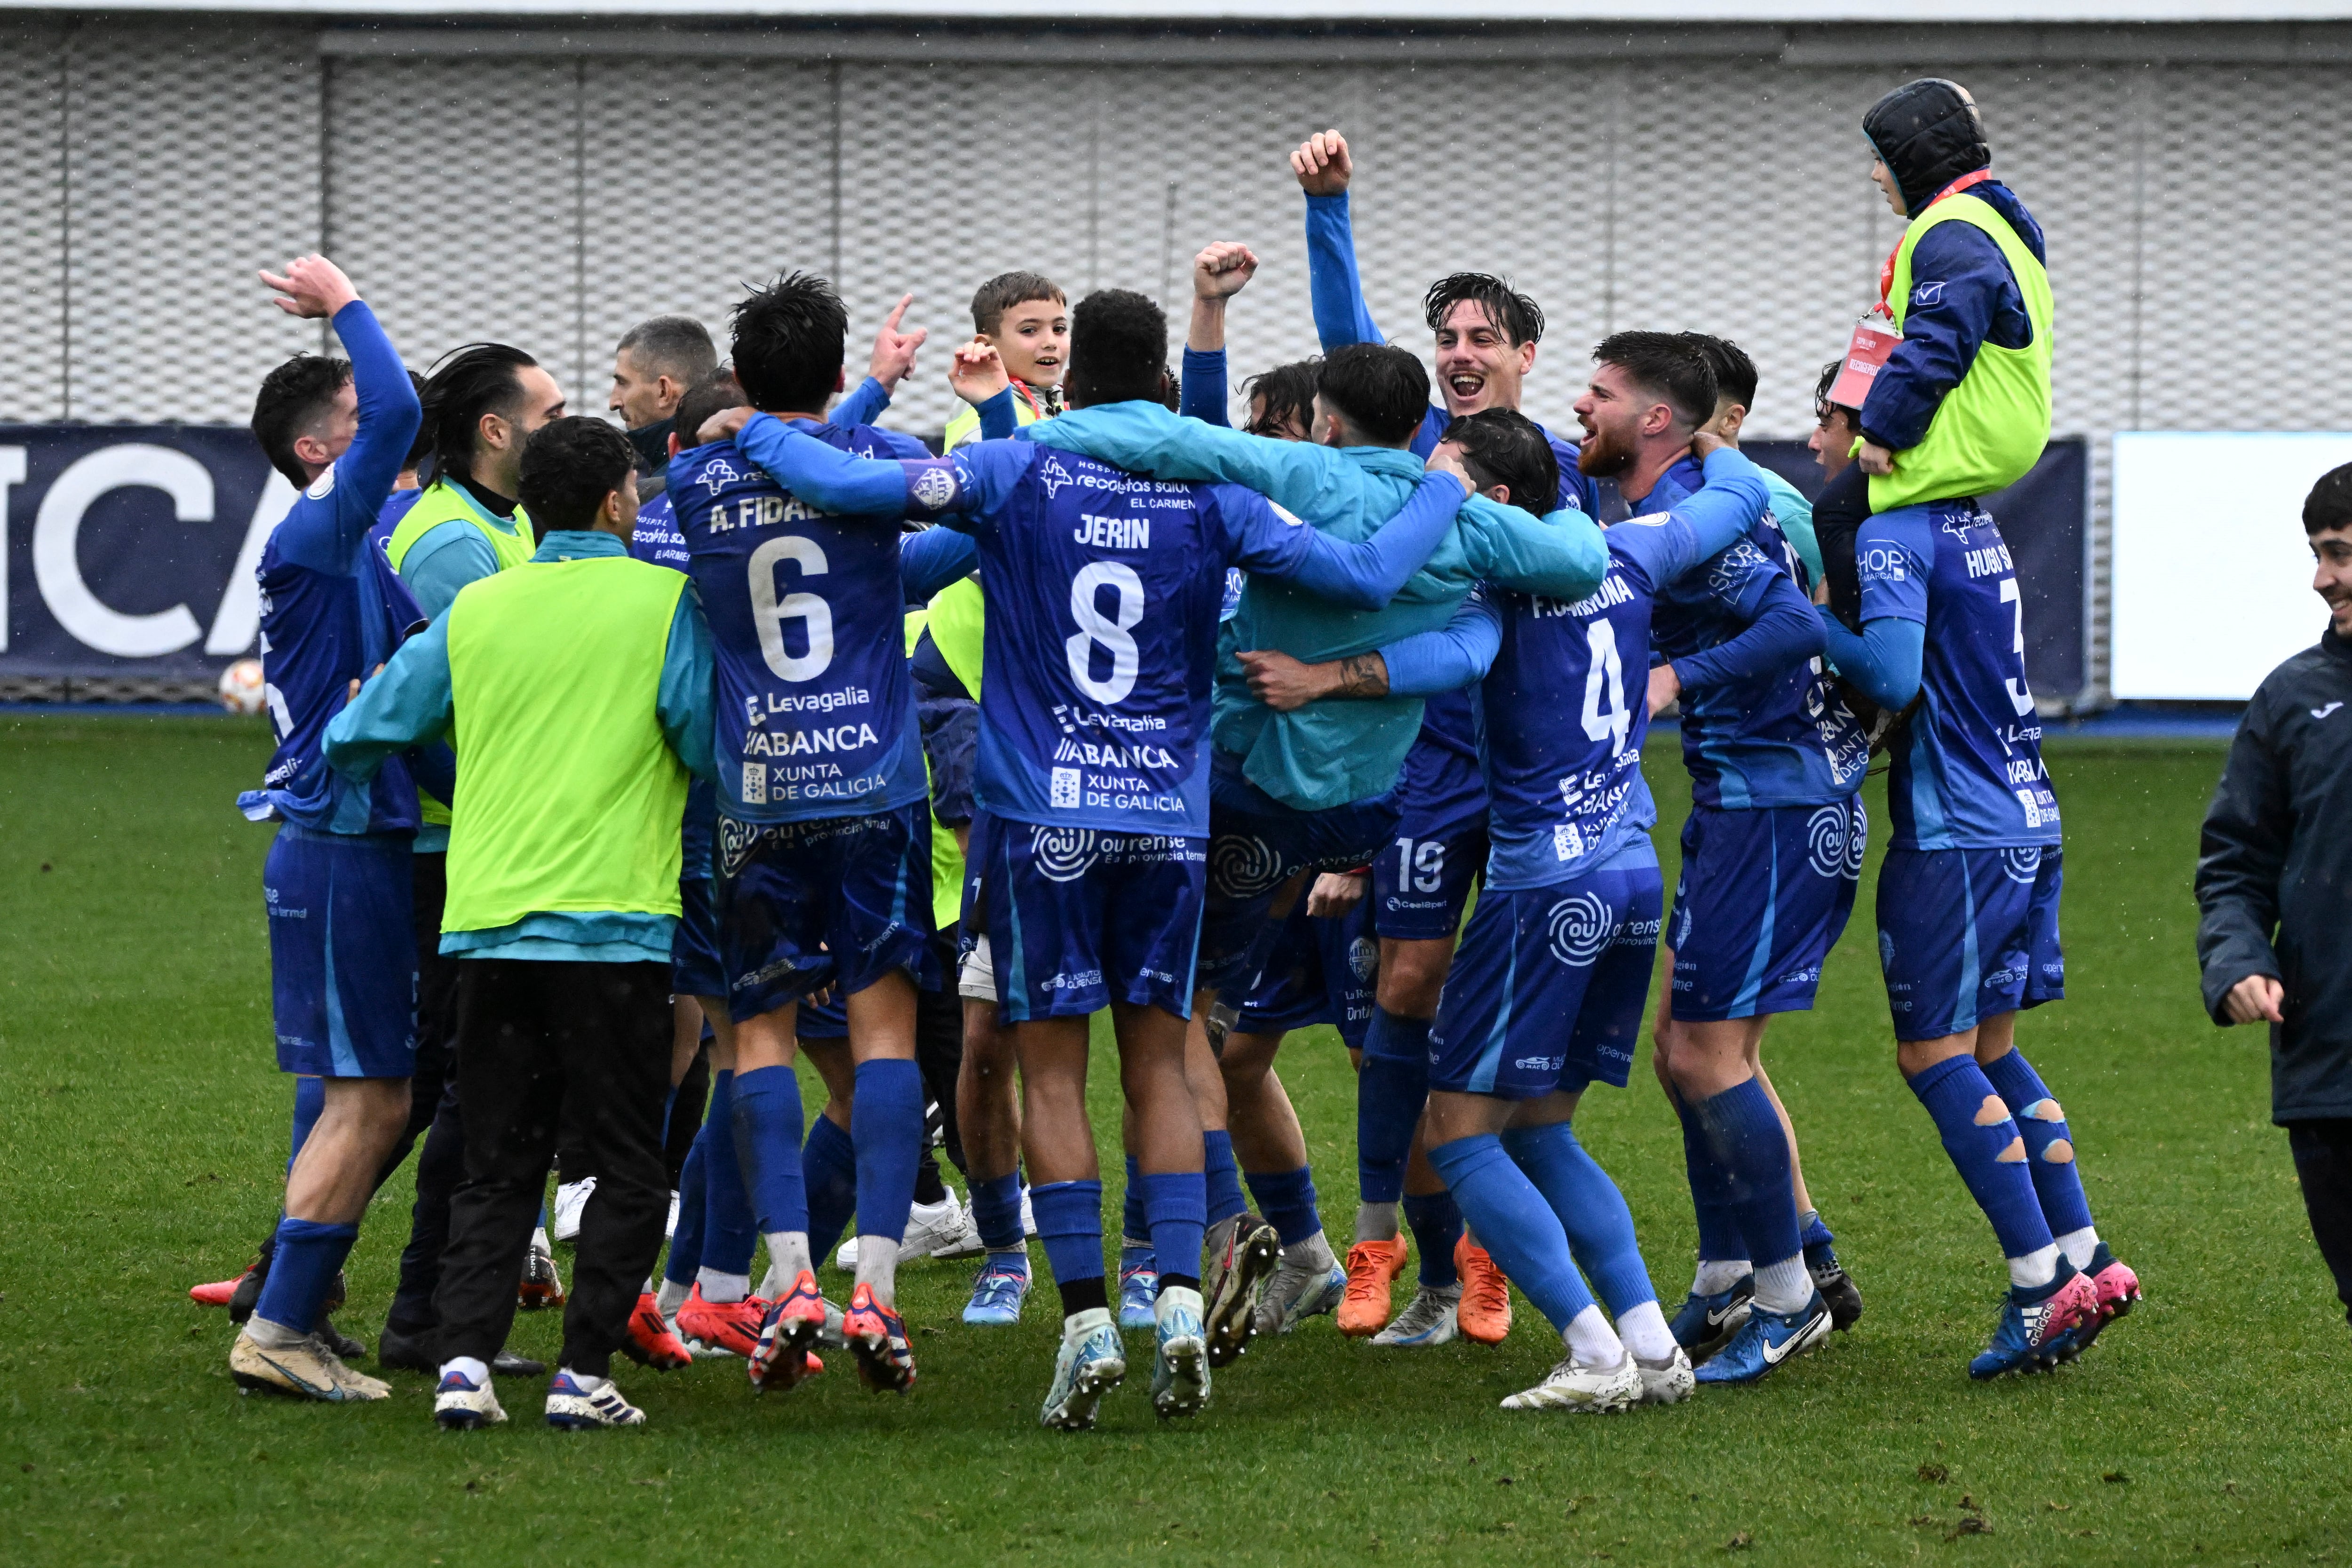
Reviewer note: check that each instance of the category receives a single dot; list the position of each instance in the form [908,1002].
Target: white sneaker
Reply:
[943,1229]
[1429,1321]
[1574,1385]
[571,1199]
[1670,1383]
[574,1407]
[460,1405]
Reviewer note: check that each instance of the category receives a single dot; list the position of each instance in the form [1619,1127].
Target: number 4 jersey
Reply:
[816,713]
[1968,772]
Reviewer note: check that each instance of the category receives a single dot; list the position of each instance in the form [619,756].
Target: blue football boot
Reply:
[1766,1340]
[998,1291]
[1706,1323]
[2031,1335]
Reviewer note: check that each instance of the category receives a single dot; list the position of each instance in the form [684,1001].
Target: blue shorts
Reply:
[1078,919]
[839,901]
[695,969]
[343,952]
[1764,896]
[1255,844]
[825,1020]
[1322,971]
[1968,934]
[1548,989]
[1421,881]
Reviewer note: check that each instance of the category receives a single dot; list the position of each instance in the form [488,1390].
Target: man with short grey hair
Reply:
[654,363]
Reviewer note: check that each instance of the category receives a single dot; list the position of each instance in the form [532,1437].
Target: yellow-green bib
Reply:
[444,502]
[1990,429]
[569,799]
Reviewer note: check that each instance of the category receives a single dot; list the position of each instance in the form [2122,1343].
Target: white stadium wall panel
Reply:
[551,188]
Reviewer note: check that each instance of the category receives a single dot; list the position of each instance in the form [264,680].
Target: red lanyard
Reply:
[1887,272]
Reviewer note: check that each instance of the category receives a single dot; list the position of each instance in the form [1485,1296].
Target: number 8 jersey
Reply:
[816,714]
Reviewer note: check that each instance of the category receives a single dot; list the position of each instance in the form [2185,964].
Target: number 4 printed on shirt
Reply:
[1607,715]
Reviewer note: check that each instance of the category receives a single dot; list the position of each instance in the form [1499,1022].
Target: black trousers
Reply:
[441,1163]
[2323,1163]
[542,1047]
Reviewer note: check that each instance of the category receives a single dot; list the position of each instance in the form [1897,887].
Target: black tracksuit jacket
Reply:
[2274,876]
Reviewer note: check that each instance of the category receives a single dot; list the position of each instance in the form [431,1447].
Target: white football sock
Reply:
[878,1265]
[587,1383]
[1719,1274]
[2035,1270]
[670,1296]
[272,1336]
[474,1370]
[1591,1342]
[2078,1245]
[1644,1333]
[1376,1222]
[722,1290]
[1313,1255]
[1784,1286]
[788,1254]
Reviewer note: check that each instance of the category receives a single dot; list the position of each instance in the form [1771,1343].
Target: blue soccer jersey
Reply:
[657,542]
[1766,737]
[815,713]
[1967,770]
[1104,594]
[332,608]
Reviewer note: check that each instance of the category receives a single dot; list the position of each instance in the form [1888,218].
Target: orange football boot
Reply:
[650,1341]
[1484,1314]
[1371,1264]
[788,1333]
[729,1326]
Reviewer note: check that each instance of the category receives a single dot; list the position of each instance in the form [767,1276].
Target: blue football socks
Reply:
[1175,1208]
[1591,1211]
[829,1170]
[1069,1224]
[1224,1176]
[1515,1222]
[1988,1150]
[996,1214]
[1133,1226]
[768,1147]
[2048,1151]
[1744,1134]
[730,1231]
[1287,1198]
[1720,1239]
[885,1120]
[303,1268]
[1391,1090]
[1435,1221]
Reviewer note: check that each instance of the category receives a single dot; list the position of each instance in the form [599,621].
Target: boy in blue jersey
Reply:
[1967,906]
[1770,856]
[336,884]
[1093,783]
[823,848]
[1566,926]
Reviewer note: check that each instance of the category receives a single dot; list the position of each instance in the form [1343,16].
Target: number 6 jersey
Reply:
[816,714]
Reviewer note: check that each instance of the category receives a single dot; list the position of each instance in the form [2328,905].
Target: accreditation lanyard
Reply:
[1887,271]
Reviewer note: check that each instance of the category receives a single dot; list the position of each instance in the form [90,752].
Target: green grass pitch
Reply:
[142,1130]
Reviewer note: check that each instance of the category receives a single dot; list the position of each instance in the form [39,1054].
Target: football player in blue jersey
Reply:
[1770,856]
[1305,791]
[336,883]
[1968,903]
[823,838]
[1093,781]
[1546,996]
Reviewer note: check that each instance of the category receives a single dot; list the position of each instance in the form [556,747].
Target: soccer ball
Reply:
[240,687]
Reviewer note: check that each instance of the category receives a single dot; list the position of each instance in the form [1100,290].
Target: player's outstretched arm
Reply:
[329,538]
[1454,656]
[929,561]
[1144,438]
[406,703]
[1884,660]
[686,699]
[1219,272]
[825,477]
[1782,634]
[1362,576]
[1324,167]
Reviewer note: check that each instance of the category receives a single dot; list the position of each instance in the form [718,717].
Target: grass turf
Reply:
[142,1131]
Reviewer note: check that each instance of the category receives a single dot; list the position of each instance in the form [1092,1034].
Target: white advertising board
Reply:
[2212,575]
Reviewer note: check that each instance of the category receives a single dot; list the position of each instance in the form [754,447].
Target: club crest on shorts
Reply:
[1364,957]
[2021,863]
[1244,867]
[1063,854]
[1835,842]
[1579,927]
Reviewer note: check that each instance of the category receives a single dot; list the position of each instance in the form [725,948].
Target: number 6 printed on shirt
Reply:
[770,613]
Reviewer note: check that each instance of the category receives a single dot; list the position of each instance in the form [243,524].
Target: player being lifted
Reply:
[1104,594]
[823,840]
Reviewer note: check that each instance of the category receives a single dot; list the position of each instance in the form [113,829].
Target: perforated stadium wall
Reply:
[550,189]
